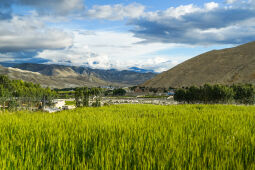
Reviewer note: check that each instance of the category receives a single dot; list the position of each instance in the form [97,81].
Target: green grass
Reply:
[157,97]
[66,92]
[70,102]
[130,137]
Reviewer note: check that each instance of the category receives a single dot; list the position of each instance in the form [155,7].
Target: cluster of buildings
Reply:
[58,105]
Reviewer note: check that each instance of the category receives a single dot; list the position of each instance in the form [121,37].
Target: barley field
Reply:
[130,137]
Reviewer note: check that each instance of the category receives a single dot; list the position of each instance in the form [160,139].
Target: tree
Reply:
[244,94]
[5,81]
[78,97]
[18,93]
[86,95]
[193,94]
[222,93]
[180,95]
[3,95]
[108,92]
[97,103]
[82,96]
[205,94]
[119,92]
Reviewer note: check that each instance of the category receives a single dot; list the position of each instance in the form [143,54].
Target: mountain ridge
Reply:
[112,75]
[227,66]
[60,76]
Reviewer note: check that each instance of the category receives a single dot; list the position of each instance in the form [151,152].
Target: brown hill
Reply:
[57,76]
[124,77]
[227,66]
[54,81]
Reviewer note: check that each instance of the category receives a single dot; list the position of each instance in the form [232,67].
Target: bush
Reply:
[180,95]
[119,92]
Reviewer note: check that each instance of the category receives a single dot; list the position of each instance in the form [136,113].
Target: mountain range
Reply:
[228,66]
[59,76]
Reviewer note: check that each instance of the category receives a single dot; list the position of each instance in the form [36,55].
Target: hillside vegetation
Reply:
[228,66]
[130,137]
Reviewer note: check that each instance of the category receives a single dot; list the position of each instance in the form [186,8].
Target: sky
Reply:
[121,34]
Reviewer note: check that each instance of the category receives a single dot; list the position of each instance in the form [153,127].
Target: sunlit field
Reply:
[130,137]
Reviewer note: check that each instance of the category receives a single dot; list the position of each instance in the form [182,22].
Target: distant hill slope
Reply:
[59,76]
[227,66]
[53,81]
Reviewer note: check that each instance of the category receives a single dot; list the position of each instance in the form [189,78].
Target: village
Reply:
[113,96]
[69,104]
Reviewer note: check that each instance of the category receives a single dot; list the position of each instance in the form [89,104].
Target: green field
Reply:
[130,137]
[70,103]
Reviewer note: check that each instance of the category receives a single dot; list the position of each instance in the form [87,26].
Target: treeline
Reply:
[240,94]
[17,94]
[83,96]
[150,89]
[65,93]
[115,92]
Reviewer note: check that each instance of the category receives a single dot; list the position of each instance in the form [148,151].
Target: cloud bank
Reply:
[190,24]
[29,34]
[107,50]
[115,12]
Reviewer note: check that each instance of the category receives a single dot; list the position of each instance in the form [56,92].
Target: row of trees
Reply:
[150,89]
[243,94]
[83,95]
[115,92]
[19,94]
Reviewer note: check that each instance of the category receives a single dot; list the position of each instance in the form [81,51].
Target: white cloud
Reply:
[178,11]
[211,24]
[28,33]
[158,64]
[230,1]
[211,5]
[106,50]
[171,12]
[6,57]
[116,12]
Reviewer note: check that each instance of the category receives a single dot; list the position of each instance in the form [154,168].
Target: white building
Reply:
[59,103]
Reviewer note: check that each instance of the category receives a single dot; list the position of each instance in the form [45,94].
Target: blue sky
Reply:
[153,35]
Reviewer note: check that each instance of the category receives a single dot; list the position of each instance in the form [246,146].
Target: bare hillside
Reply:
[227,66]
[64,81]
[59,76]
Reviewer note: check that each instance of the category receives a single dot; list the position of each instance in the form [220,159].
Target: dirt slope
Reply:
[227,66]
